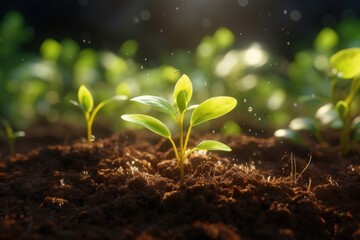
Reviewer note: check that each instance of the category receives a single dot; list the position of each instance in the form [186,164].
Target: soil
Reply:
[128,187]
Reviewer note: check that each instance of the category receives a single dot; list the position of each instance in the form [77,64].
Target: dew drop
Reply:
[145,59]
[288,43]
[250,109]
[141,67]
[245,99]
[213,131]
[92,138]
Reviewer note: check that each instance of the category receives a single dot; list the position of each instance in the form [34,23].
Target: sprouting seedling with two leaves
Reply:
[86,104]
[207,110]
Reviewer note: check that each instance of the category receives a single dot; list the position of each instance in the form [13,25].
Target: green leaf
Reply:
[213,145]
[183,92]
[75,103]
[345,63]
[212,108]
[85,99]
[148,122]
[181,100]
[289,134]
[303,123]
[157,103]
[326,40]
[327,114]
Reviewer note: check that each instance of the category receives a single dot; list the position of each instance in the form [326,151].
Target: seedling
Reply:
[10,136]
[345,64]
[207,110]
[86,104]
[337,113]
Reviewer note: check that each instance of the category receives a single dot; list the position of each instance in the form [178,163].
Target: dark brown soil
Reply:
[127,187]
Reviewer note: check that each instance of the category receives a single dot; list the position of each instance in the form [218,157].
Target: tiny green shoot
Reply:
[86,104]
[209,109]
[10,136]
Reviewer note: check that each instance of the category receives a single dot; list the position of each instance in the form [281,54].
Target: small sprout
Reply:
[86,104]
[209,109]
[337,113]
[10,136]
[345,64]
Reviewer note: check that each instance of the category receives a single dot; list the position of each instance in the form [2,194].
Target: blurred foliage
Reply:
[38,86]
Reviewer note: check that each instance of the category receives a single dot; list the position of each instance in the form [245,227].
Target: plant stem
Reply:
[345,134]
[178,159]
[345,142]
[88,126]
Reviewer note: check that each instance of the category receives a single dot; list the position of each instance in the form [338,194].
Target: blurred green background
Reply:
[272,57]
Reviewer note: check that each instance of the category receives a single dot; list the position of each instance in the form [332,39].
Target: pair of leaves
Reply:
[86,100]
[209,109]
[159,128]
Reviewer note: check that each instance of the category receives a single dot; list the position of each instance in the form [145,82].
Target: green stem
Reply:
[345,134]
[332,90]
[345,142]
[178,159]
[88,126]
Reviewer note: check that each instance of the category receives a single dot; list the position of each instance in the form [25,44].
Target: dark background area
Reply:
[166,25]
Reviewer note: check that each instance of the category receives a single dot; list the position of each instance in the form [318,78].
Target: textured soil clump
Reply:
[128,187]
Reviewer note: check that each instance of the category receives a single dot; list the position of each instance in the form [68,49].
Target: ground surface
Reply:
[127,187]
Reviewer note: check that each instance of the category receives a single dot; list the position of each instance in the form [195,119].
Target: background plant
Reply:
[86,104]
[337,113]
[10,136]
[207,110]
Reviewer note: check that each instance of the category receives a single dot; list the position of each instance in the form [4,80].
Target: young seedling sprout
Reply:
[10,136]
[345,65]
[337,113]
[207,110]
[86,104]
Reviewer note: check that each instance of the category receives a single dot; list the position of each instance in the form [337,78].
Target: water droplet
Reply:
[177,8]
[147,75]
[161,30]
[288,43]
[92,138]
[245,99]
[213,131]
[172,53]
[205,83]
[285,11]
[141,67]
[250,109]
[145,59]
[189,51]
